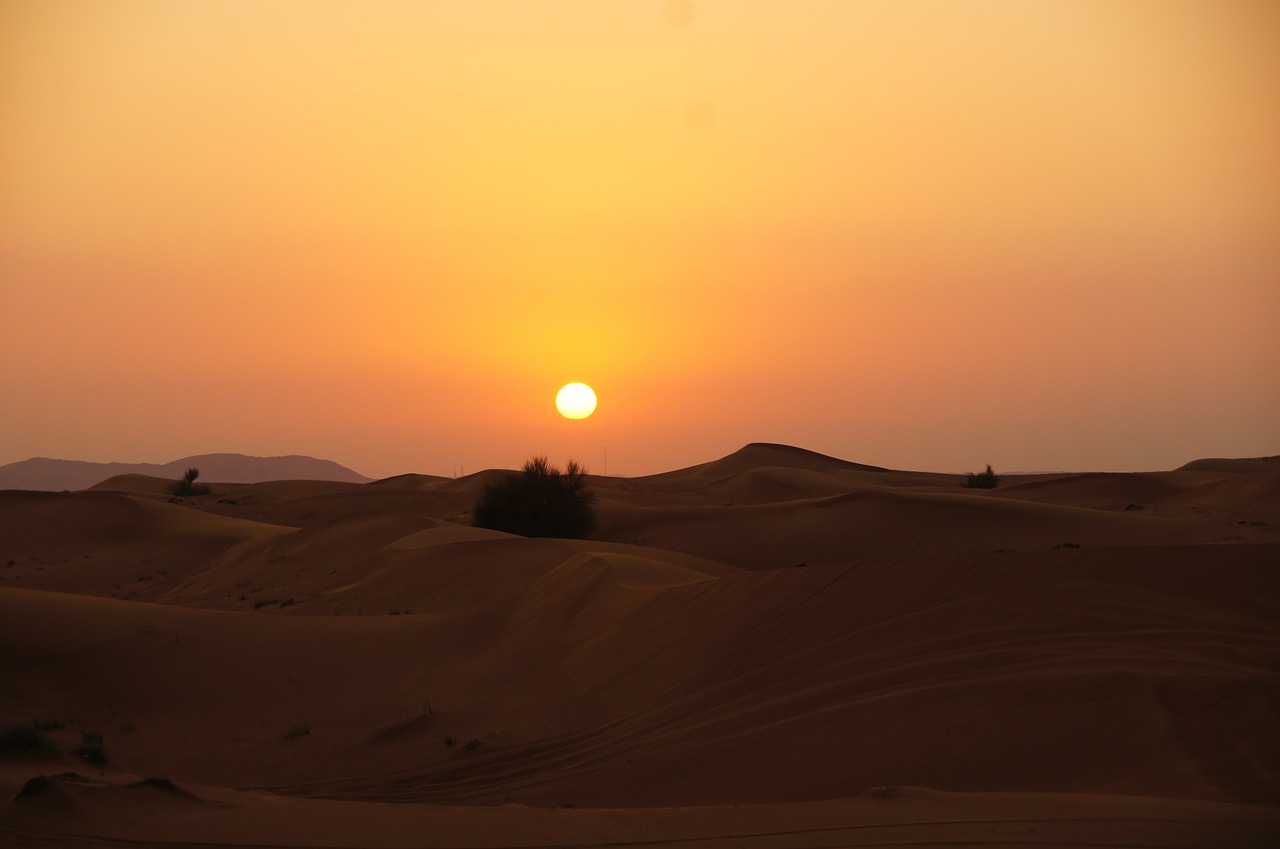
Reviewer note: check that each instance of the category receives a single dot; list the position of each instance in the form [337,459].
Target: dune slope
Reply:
[1037,664]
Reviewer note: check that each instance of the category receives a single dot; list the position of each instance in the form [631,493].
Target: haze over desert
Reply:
[678,423]
[925,235]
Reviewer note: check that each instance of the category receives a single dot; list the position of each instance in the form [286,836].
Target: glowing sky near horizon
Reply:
[925,235]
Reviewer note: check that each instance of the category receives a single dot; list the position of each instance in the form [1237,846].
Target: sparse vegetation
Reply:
[282,602]
[983,480]
[541,501]
[91,748]
[302,729]
[187,485]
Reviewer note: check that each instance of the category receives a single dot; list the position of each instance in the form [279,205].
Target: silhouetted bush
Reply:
[91,748]
[541,501]
[188,485]
[299,730]
[986,480]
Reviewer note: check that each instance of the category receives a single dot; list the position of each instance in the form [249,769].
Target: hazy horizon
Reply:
[603,470]
[914,235]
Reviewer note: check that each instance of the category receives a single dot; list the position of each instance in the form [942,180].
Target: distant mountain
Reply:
[44,474]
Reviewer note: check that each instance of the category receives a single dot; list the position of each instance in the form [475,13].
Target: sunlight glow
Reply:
[576,401]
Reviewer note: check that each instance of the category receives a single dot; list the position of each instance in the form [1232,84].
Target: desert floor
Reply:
[774,649]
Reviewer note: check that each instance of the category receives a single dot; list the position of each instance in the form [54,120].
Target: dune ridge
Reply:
[775,649]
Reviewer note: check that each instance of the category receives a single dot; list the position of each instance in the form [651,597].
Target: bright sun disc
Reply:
[576,401]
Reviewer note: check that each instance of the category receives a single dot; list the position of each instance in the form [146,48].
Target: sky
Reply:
[923,235]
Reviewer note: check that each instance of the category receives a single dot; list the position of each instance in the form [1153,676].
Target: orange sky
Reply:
[926,235]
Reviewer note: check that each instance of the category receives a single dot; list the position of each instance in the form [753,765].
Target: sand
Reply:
[773,649]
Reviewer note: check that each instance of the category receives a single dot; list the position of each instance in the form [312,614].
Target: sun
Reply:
[576,401]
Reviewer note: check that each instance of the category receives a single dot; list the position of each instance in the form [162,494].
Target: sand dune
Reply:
[1251,465]
[100,543]
[877,524]
[897,816]
[761,455]
[327,664]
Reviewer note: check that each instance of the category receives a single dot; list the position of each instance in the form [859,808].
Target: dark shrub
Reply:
[188,485]
[302,729]
[986,480]
[91,748]
[541,501]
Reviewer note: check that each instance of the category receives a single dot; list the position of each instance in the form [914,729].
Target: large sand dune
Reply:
[772,649]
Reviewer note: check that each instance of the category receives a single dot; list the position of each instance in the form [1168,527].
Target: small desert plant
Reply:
[299,730]
[985,480]
[541,501]
[91,748]
[188,486]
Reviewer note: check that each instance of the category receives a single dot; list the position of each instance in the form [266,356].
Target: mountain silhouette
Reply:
[42,473]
